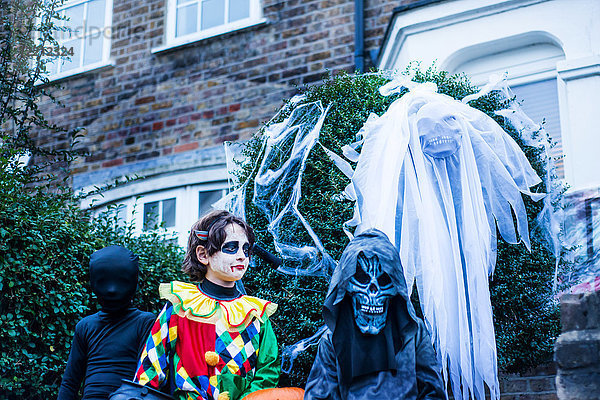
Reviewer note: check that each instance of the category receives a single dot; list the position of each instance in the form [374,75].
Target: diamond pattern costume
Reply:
[201,346]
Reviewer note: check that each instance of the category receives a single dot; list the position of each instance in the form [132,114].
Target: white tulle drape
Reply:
[438,177]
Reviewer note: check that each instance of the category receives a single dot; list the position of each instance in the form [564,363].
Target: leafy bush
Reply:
[46,241]
[45,238]
[42,294]
[526,320]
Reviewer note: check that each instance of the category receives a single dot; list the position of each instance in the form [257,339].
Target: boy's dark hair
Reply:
[214,223]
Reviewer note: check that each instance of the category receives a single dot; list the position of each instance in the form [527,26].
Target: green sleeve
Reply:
[268,367]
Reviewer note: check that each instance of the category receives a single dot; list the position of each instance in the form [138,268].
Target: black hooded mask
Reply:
[113,277]
[370,260]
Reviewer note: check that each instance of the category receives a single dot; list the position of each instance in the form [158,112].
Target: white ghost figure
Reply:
[439,177]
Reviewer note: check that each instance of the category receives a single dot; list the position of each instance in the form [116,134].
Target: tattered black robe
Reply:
[413,372]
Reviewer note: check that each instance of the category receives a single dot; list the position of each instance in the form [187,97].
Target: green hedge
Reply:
[45,239]
[526,320]
[45,244]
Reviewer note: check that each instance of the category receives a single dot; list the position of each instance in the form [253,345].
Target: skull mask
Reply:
[439,131]
[371,289]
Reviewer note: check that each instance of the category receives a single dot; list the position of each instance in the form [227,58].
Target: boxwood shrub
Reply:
[525,316]
[45,244]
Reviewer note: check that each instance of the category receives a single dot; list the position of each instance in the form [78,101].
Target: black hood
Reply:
[371,242]
[113,277]
[360,354]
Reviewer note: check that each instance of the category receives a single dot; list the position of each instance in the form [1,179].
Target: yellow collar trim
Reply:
[189,300]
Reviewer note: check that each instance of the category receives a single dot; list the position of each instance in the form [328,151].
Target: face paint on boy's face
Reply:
[234,246]
[230,264]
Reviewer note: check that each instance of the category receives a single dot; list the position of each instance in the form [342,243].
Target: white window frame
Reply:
[135,212]
[255,18]
[186,208]
[160,200]
[184,187]
[528,59]
[105,34]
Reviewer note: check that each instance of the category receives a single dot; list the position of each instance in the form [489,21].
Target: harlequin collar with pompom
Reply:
[190,302]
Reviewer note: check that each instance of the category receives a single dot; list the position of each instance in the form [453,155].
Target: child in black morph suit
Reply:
[107,345]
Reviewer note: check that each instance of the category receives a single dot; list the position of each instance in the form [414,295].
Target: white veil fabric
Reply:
[277,188]
[439,177]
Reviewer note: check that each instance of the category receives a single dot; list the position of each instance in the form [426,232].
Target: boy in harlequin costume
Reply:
[210,341]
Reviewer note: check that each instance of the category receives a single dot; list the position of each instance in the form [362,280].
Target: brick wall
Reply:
[537,384]
[148,106]
[577,350]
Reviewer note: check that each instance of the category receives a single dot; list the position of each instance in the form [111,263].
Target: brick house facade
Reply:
[159,106]
[163,109]
[149,104]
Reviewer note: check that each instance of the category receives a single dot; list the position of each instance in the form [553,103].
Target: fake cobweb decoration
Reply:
[277,188]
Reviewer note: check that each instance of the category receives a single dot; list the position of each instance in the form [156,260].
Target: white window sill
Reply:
[79,71]
[196,37]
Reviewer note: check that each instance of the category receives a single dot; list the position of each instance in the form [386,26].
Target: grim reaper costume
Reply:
[375,347]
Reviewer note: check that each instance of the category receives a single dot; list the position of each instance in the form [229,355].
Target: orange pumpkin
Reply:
[289,393]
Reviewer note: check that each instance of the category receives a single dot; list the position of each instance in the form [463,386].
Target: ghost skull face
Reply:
[439,130]
[371,290]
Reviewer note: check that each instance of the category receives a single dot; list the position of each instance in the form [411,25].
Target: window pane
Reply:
[239,9]
[51,65]
[213,13]
[75,22]
[74,59]
[187,20]
[93,49]
[95,17]
[206,199]
[168,213]
[540,102]
[150,215]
